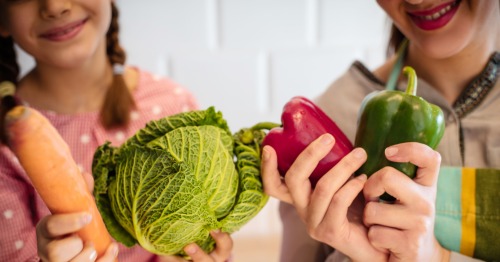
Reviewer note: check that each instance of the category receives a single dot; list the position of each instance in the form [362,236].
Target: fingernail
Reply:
[93,255]
[391,151]
[326,139]
[86,218]
[359,153]
[362,177]
[114,249]
[190,249]
[265,153]
[216,231]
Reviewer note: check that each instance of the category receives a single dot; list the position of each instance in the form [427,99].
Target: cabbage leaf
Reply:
[177,179]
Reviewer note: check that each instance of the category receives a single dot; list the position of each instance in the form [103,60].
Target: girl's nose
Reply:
[51,9]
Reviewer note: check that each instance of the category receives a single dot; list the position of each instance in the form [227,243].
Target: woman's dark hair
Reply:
[118,103]
[395,40]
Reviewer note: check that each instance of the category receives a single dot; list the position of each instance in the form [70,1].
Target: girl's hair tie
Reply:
[118,69]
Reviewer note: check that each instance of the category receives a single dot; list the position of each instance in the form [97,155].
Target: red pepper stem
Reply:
[410,73]
[265,125]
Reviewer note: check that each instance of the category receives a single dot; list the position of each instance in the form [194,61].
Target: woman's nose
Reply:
[414,2]
[51,9]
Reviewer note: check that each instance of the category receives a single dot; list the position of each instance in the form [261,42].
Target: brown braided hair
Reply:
[9,69]
[118,102]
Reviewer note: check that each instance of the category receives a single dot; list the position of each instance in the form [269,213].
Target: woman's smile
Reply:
[435,17]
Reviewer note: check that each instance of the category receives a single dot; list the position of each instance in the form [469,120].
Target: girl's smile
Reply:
[65,32]
[435,17]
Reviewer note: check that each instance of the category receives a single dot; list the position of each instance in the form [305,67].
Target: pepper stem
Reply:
[410,73]
[265,126]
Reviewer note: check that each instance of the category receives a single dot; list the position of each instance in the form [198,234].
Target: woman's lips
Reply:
[64,33]
[436,17]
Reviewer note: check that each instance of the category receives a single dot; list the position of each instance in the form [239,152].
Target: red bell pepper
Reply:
[303,122]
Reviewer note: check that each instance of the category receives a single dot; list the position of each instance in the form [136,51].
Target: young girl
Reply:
[454,48]
[81,85]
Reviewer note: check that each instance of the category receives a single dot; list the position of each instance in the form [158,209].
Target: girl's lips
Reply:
[63,33]
[436,17]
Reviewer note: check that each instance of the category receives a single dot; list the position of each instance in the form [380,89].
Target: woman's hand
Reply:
[222,252]
[57,240]
[332,211]
[405,228]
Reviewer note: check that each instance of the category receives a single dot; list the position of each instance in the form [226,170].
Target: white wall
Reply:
[248,57]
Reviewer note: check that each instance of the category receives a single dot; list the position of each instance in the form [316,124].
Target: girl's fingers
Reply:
[111,253]
[297,177]
[274,185]
[63,249]
[223,245]
[87,254]
[197,254]
[222,252]
[90,254]
[331,182]
[425,158]
[89,180]
[58,225]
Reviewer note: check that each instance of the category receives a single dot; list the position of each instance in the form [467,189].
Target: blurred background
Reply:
[248,58]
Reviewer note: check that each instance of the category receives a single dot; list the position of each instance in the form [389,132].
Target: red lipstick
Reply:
[436,17]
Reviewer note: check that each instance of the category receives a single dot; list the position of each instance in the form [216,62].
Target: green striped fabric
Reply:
[468,211]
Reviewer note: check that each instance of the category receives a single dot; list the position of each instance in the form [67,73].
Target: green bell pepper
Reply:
[391,117]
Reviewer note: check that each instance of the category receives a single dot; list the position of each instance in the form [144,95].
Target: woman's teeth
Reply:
[439,13]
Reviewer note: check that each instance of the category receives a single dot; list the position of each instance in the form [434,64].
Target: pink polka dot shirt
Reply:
[21,207]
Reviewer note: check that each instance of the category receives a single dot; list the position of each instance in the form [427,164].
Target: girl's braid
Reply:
[118,102]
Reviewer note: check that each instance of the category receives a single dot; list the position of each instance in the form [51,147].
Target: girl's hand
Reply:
[222,252]
[332,212]
[57,240]
[405,228]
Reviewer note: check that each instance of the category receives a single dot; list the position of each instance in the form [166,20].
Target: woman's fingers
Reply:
[343,199]
[323,194]
[398,216]
[425,158]
[274,185]
[297,177]
[392,181]
[386,238]
[397,184]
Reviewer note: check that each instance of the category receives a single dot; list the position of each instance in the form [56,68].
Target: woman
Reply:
[454,48]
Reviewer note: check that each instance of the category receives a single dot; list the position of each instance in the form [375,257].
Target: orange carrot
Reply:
[47,160]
